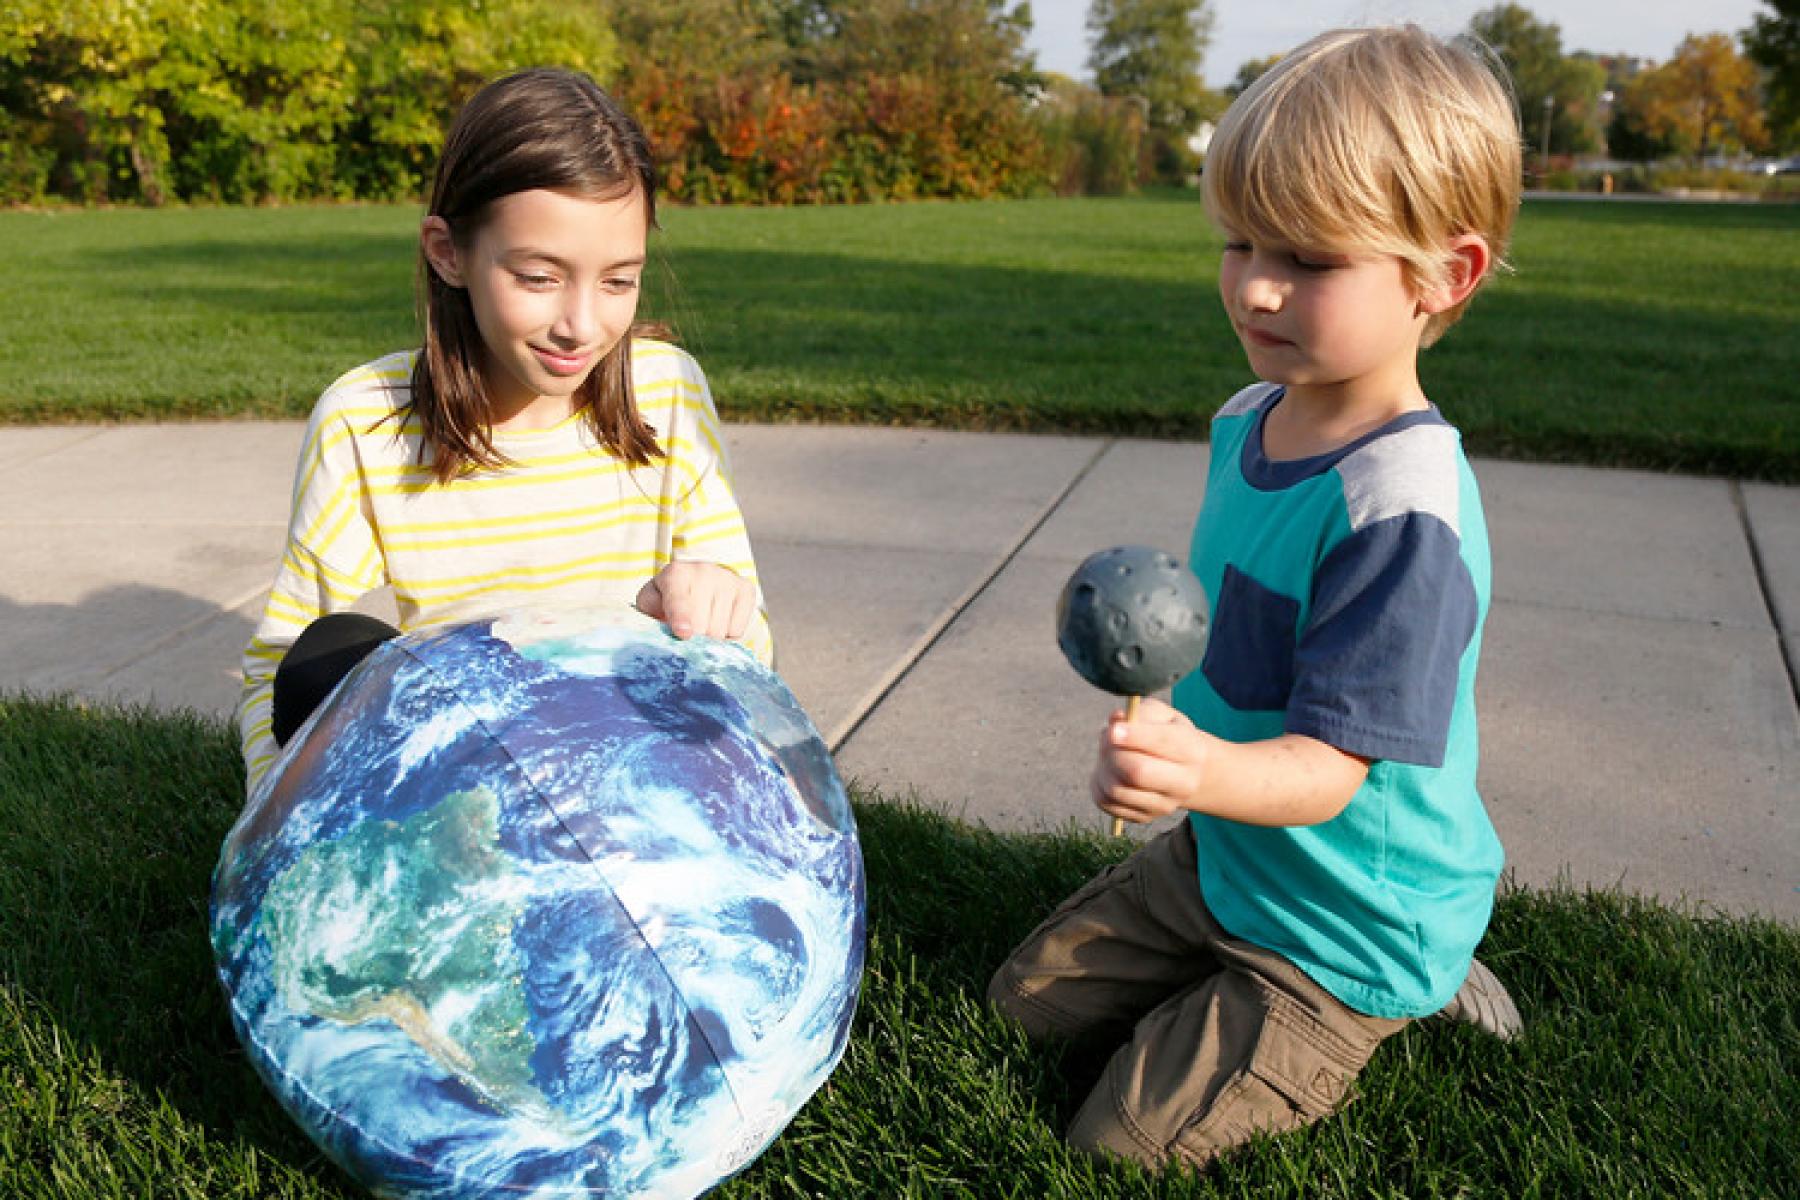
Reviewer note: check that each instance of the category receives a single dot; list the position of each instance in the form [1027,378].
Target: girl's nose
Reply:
[578,323]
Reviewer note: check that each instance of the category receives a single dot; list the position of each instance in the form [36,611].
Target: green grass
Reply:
[1648,334]
[1661,1057]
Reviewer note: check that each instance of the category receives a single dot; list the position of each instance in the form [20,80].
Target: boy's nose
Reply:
[1260,293]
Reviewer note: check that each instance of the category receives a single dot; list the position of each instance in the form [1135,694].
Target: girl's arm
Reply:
[1160,763]
[708,525]
[331,559]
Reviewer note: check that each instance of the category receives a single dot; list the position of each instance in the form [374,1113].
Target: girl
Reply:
[539,450]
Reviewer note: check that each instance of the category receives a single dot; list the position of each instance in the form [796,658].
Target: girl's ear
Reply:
[1469,260]
[440,250]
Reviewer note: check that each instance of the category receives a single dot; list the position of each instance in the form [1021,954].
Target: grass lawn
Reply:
[1649,334]
[1661,1057]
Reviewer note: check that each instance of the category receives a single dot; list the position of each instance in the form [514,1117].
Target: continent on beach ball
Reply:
[546,906]
[1132,620]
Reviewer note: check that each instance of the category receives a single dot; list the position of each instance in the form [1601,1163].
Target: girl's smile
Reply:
[564,364]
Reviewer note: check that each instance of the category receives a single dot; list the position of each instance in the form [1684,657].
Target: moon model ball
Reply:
[545,907]
[1132,620]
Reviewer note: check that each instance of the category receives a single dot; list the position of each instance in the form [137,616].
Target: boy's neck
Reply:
[1314,419]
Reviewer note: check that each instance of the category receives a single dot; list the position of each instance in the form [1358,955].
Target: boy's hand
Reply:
[700,600]
[1150,766]
[1160,763]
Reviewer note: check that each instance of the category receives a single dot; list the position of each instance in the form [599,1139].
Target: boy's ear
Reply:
[440,250]
[1469,260]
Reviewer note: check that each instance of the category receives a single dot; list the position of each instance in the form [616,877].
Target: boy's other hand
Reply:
[700,599]
[1150,766]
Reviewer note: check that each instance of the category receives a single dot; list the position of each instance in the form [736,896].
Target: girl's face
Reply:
[1314,320]
[553,280]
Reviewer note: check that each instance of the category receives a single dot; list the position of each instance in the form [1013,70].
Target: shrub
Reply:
[245,100]
[1094,143]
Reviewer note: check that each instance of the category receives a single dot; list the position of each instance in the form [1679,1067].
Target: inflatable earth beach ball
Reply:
[545,907]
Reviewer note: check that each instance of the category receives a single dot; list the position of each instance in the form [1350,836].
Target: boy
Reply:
[1336,868]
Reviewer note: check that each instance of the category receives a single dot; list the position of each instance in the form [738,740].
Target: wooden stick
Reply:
[1131,705]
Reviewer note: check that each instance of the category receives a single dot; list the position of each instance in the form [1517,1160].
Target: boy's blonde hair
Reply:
[1373,141]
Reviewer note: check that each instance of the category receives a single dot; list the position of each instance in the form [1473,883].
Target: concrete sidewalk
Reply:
[1638,706]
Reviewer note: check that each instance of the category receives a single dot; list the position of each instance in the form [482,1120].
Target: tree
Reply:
[809,100]
[717,37]
[1565,91]
[1153,50]
[1773,43]
[1626,138]
[237,100]
[1703,101]
[1248,73]
[975,39]
[415,61]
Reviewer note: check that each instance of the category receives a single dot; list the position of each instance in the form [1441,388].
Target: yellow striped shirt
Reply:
[567,525]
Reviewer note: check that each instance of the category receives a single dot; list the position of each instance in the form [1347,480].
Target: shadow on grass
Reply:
[1661,1055]
[783,334]
[113,815]
[1589,355]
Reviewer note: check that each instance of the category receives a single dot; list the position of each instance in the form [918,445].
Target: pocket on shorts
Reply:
[1291,1081]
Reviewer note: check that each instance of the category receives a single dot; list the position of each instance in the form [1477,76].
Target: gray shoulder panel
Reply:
[1247,400]
[1412,471]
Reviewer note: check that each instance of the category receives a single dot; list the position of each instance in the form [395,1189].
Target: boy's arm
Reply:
[1160,764]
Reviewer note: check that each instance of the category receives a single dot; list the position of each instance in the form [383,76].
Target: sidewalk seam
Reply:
[170,637]
[1763,589]
[890,679]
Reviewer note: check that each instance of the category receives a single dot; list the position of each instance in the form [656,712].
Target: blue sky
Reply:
[1246,29]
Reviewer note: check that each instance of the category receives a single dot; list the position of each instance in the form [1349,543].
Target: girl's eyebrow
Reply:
[523,253]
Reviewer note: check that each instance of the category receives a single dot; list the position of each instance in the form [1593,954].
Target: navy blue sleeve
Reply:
[1375,672]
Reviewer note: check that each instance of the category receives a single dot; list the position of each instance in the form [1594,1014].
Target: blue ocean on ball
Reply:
[547,906]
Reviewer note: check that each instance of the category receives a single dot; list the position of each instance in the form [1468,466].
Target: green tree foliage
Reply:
[1555,91]
[151,100]
[1153,50]
[1773,43]
[745,100]
[1095,142]
[418,60]
[1248,73]
[1625,138]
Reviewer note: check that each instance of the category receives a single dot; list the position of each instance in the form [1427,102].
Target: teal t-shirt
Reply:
[1348,593]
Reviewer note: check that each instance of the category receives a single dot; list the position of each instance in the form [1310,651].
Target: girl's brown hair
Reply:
[539,128]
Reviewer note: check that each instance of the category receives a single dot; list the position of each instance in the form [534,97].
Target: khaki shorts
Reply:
[1221,1038]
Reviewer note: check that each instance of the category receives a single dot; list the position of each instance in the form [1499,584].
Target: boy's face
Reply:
[1313,319]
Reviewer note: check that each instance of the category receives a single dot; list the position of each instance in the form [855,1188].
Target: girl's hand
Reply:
[1150,766]
[699,599]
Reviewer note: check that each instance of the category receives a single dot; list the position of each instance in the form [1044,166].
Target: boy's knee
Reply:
[1210,1070]
[1007,992]
[1105,1127]
[1112,1122]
